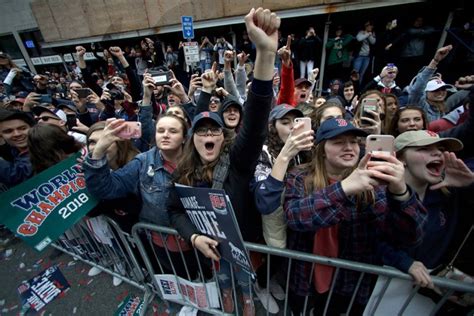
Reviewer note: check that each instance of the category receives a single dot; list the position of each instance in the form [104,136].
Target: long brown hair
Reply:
[275,144]
[393,129]
[190,167]
[318,178]
[358,111]
[48,145]
[318,113]
[126,151]
[388,119]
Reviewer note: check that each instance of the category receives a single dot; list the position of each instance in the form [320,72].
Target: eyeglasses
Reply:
[47,118]
[215,101]
[203,131]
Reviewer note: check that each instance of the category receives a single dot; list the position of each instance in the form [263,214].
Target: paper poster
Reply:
[42,208]
[42,289]
[174,288]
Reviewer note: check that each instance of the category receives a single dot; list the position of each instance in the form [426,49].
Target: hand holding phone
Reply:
[45,98]
[71,121]
[83,92]
[131,130]
[303,128]
[380,145]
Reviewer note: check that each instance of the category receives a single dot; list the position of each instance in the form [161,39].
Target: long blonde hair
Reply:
[318,178]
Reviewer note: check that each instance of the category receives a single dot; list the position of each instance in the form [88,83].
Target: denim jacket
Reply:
[144,176]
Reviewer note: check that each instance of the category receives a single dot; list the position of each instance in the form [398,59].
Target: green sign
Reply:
[42,208]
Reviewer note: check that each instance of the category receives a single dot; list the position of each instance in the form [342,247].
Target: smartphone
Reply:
[161,77]
[369,105]
[71,121]
[45,98]
[275,71]
[381,144]
[83,93]
[131,130]
[306,125]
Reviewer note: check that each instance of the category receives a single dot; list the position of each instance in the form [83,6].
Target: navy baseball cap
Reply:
[212,116]
[283,109]
[335,127]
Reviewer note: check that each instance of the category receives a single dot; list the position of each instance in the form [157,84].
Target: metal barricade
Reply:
[109,249]
[142,233]
[161,260]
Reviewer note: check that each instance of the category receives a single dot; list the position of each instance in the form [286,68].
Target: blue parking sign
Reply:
[188,29]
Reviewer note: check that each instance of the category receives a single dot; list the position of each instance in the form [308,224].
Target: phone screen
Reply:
[71,121]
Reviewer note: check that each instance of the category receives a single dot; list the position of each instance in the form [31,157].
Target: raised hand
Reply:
[116,51]
[112,128]
[442,52]
[262,28]
[209,79]
[285,52]
[148,86]
[80,51]
[296,143]
[194,84]
[222,92]
[457,174]
[313,74]
[178,89]
[242,58]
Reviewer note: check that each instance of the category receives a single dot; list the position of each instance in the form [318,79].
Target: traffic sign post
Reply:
[188,28]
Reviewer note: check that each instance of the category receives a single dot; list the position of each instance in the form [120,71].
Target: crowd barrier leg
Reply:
[111,252]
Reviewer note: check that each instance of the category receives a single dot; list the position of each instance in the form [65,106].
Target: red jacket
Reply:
[287,87]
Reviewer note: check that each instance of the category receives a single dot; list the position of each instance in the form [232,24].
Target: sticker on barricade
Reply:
[36,293]
[175,288]
[130,306]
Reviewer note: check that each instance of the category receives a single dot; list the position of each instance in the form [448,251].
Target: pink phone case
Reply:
[132,130]
[380,144]
[306,125]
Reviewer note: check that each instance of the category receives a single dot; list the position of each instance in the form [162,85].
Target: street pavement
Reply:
[86,295]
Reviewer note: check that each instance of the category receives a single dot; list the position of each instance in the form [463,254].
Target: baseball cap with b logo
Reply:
[335,127]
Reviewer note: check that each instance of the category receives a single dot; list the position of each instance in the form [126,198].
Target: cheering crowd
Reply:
[297,167]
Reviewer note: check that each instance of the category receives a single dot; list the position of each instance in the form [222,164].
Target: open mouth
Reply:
[347,157]
[209,146]
[435,167]
[303,96]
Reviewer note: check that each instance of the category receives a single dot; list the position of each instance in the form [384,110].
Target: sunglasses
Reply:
[47,118]
[203,131]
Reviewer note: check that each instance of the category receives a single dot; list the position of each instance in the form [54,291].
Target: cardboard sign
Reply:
[42,208]
[177,289]
[213,215]
[42,289]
